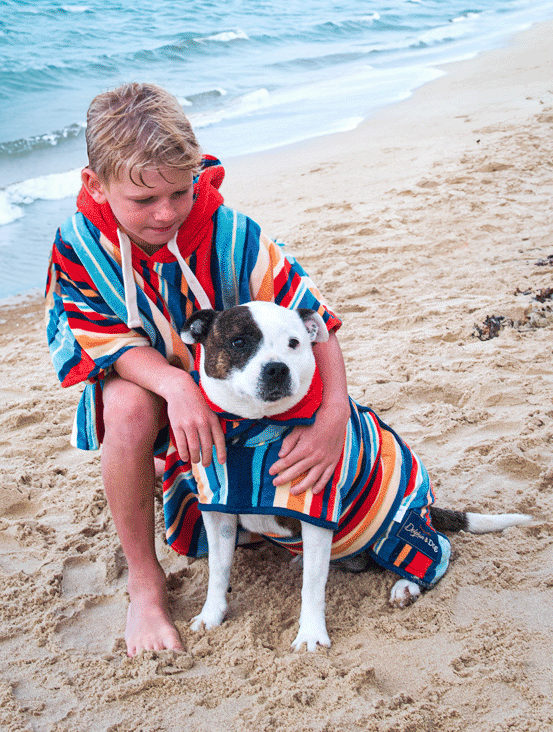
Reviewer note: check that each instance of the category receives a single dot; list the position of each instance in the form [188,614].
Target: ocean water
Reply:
[251,75]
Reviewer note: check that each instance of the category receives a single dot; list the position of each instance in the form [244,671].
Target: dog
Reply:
[257,370]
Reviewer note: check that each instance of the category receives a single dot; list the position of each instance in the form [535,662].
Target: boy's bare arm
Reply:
[195,427]
[316,449]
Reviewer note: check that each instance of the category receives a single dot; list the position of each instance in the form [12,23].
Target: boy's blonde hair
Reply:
[139,127]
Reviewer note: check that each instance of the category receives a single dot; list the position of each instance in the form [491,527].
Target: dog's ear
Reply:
[314,324]
[197,326]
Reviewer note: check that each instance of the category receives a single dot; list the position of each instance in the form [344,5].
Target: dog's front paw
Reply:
[312,636]
[210,617]
[404,593]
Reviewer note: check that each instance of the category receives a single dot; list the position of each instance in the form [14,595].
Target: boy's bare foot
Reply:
[149,623]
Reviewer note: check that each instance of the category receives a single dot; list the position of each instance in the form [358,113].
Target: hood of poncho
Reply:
[194,230]
[207,200]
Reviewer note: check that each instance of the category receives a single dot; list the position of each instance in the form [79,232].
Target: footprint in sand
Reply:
[82,577]
[14,558]
[96,626]
[100,618]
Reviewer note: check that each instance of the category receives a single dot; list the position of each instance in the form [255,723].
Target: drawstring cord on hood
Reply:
[191,279]
[129,285]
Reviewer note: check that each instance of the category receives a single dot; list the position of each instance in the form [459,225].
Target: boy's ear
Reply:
[93,185]
[197,326]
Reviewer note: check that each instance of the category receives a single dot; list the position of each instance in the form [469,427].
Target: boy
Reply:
[152,243]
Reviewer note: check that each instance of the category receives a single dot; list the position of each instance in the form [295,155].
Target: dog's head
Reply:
[257,359]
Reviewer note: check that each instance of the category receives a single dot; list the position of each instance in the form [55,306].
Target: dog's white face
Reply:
[257,359]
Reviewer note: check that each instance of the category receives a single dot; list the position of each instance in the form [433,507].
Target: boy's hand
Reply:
[195,427]
[315,450]
[312,451]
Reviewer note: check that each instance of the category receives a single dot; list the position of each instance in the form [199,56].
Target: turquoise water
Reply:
[251,75]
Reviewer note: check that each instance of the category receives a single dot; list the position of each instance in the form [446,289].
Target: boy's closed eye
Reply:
[152,199]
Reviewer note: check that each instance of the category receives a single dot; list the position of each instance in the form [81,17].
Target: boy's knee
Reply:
[130,410]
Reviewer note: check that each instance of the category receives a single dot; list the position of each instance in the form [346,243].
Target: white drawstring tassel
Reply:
[133,315]
[189,276]
[129,285]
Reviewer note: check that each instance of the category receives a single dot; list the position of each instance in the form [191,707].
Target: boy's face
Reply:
[149,214]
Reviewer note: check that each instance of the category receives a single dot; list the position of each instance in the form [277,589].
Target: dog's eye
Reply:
[293,343]
[239,343]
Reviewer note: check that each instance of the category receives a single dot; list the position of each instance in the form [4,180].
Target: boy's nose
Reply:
[164,211]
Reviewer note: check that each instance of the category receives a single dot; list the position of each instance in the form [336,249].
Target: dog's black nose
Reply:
[274,382]
[275,371]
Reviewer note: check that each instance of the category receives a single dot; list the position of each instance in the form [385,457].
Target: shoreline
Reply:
[428,229]
[310,152]
[431,105]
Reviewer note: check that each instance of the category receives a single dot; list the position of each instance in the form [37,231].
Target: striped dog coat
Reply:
[376,501]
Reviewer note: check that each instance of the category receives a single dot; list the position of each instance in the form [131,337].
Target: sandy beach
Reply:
[428,229]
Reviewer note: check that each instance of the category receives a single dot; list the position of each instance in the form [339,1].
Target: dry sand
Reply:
[430,217]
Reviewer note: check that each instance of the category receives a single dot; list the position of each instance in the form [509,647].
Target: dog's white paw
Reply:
[312,635]
[210,617]
[404,593]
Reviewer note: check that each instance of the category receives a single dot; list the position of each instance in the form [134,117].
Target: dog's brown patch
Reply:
[234,337]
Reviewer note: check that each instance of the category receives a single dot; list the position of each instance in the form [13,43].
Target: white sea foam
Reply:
[226,36]
[8,212]
[28,144]
[51,187]
[241,106]
[444,32]
[193,98]
[289,116]
[466,16]
[377,85]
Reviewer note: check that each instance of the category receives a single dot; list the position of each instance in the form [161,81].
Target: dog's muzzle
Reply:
[274,382]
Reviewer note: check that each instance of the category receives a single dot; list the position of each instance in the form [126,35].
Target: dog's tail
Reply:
[476,523]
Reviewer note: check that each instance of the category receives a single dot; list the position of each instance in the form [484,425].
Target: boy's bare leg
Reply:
[132,419]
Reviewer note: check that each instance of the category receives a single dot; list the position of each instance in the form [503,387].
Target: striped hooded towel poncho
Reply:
[104,295]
